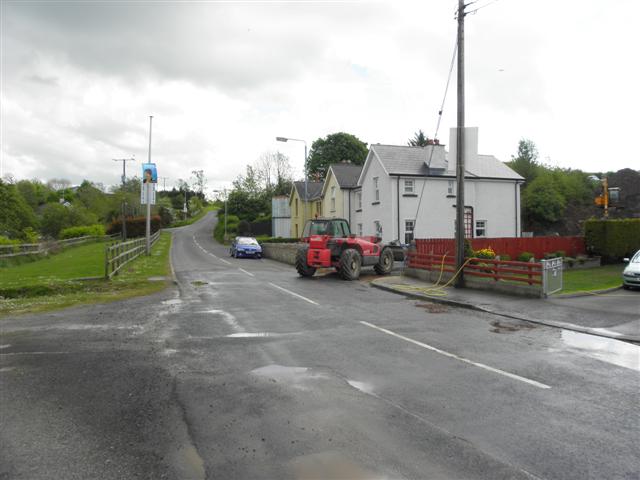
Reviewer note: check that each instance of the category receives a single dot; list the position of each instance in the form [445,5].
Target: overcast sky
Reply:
[223,79]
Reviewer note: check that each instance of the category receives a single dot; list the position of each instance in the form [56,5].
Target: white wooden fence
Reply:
[43,248]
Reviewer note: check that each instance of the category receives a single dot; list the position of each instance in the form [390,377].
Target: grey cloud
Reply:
[229,46]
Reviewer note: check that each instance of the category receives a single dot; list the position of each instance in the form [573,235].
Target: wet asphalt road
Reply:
[247,371]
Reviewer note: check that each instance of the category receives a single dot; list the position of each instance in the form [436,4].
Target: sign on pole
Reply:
[149,182]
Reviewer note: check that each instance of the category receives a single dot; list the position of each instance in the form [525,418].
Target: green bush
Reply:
[136,226]
[30,235]
[504,257]
[612,239]
[89,230]
[232,227]
[525,257]
[8,241]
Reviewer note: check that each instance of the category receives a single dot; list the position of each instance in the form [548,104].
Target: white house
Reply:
[402,184]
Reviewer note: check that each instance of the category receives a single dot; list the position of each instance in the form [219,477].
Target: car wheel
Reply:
[626,287]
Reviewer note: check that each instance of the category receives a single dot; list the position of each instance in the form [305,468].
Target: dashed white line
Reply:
[293,293]
[223,260]
[248,273]
[207,252]
[33,353]
[456,357]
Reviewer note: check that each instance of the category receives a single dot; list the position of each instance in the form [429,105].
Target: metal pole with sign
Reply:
[150,187]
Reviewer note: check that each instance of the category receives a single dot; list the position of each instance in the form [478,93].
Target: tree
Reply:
[419,140]
[274,173]
[200,182]
[542,201]
[15,214]
[34,192]
[526,162]
[335,148]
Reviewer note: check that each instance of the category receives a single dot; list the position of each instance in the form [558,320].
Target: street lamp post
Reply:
[306,196]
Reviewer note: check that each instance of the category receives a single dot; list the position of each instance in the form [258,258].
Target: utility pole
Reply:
[460,152]
[124,202]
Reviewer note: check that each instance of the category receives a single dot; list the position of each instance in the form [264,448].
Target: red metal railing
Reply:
[525,272]
[513,247]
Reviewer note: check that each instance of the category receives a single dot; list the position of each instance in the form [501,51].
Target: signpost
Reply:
[148,195]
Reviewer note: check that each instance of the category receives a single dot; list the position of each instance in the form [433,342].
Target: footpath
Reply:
[612,314]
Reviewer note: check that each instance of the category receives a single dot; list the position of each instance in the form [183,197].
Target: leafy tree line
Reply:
[31,209]
[559,200]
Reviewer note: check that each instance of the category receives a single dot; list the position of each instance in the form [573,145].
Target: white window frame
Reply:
[451,188]
[377,228]
[409,186]
[376,190]
[480,226]
[406,230]
[359,229]
[359,200]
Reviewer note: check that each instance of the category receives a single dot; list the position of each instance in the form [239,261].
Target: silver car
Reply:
[631,273]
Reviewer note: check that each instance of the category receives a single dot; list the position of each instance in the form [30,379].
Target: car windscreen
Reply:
[636,257]
[247,241]
[315,228]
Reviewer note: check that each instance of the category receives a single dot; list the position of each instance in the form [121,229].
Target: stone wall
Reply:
[282,252]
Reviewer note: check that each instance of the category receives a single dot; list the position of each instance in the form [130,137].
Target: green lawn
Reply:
[588,279]
[43,287]
[74,262]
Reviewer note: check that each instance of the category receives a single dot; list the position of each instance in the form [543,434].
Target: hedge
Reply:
[232,227]
[136,226]
[612,239]
[87,230]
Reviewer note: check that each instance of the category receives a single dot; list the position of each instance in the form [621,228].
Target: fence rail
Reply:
[119,254]
[45,247]
[524,272]
[513,247]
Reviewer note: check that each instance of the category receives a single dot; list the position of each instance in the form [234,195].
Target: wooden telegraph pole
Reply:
[460,227]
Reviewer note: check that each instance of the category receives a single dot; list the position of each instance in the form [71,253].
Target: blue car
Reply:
[245,247]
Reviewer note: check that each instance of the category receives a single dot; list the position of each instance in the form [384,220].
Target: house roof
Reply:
[314,190]
[346,174]
[406,160]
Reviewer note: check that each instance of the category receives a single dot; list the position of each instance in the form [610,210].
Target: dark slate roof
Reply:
[314,190]
[346,174]
[406,160]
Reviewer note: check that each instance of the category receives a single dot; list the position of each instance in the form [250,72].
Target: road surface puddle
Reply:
[198,283]
[501,326]
[251,335]
[362,386]
[294,376]
[173,301]
[608,350]
[433,307]
[329,466]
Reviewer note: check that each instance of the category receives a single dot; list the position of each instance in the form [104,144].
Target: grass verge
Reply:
[42,288]
[589,279]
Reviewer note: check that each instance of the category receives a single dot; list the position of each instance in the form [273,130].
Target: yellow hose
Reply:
[435,290]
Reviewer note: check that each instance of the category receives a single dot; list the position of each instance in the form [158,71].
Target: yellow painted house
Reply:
[338,192]
[304,207]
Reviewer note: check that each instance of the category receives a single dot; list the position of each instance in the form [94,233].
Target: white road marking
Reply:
[33,353]
[5,346]
[207,252]
[248,273]
[293,293]
[456,357]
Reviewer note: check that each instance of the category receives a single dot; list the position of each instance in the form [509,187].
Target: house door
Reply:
[468,222]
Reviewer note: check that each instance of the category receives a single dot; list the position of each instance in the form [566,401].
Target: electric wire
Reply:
[444,98]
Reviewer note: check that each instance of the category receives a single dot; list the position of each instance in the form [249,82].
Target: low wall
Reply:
[282,252]
[523,290]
